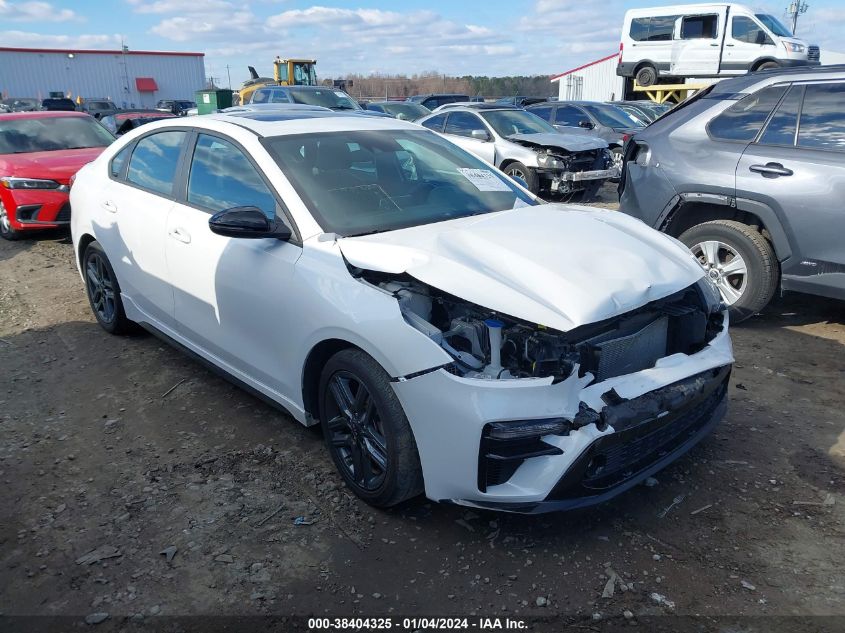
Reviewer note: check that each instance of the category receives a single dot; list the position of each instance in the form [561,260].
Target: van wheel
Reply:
[529,176]
[646,76]
[739,260]
[768,65]
[366,431]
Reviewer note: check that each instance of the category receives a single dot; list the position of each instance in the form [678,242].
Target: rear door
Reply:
[459,129]
[135,206]
[233,299]
[697,44]
[797,168]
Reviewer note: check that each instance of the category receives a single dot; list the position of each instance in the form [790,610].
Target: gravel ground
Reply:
[138,484]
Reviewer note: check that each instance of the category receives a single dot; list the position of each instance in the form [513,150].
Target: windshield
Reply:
[773,24]
[611,116]
[406,111]
[328,98]
[21,103]
[510,122]
[21,136]
[362,182]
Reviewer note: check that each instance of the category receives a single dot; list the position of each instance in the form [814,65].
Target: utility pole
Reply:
[796,8]
[229,75]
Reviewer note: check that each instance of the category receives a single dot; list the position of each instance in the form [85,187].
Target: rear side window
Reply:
[435,123]
[222,178]
[781,127]
[743,120]
[822,123]
[154,161]
[653,29]
[118,162]
[696,27]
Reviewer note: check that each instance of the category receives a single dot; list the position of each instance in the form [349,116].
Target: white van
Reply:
[706,40]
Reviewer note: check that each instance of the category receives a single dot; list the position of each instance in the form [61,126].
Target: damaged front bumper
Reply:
[622,430]
[565,181]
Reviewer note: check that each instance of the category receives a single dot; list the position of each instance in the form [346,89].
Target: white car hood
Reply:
[555,265]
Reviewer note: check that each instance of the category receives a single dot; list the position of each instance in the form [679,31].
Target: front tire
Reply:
[7,231]
[366,430]
[740,261]
[103,290]
[768,66]
[528,175]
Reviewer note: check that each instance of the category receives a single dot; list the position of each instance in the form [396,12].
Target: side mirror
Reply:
[587,125]
[247,222]
[481,135]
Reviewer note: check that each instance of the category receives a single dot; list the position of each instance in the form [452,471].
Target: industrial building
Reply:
[597,81]
[132,79]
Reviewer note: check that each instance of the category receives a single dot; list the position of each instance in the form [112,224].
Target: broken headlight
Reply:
[551,161]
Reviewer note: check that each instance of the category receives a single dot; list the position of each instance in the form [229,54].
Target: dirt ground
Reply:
[135,483]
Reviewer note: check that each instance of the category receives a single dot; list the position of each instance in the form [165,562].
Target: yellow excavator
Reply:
[286,72]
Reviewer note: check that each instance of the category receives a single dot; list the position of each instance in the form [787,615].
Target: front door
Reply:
[697,45]
[232,296]
[745,43]
[459,129]
[797,167]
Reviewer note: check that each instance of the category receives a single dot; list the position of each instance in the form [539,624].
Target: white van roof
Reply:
[680,9]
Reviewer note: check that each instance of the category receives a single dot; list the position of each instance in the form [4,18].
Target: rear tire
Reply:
[103,290]
[646,76]
[518,170]
[366,430]
[741,262]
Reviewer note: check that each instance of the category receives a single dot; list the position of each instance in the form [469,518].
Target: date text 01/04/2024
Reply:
[415,624]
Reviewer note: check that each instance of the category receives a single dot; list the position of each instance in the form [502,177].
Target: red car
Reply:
[39,152]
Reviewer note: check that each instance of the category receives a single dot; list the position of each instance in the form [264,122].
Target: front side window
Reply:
[221,178]
[822,124]
[781,127]
[463,123]
[696,27]
[510,122]
[361,182]
[747,30]
[435,123]
[155,159]
[743,120]
[21,136]
[570,116]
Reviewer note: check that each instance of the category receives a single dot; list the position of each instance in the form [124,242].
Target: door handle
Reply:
[180,235]
[714,45]
[771,170]
[109,206]
[728,44]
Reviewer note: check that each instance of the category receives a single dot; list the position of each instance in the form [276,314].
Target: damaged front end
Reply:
[559,419]
[566,170]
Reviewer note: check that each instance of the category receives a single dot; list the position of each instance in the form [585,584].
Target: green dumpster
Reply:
[209,101]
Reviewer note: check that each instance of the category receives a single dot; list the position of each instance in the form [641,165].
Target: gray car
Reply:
[750,175]
[524,146]
[591,118]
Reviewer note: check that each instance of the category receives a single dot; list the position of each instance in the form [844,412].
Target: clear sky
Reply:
[456,37]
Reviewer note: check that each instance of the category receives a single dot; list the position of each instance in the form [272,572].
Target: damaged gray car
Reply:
[524,146]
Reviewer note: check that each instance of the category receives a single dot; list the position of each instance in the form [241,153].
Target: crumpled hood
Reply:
[555,265]
[568,142]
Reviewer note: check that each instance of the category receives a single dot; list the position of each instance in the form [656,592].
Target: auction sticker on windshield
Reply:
[483,179]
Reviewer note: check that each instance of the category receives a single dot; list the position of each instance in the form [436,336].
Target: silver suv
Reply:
[750,175]
[526,147]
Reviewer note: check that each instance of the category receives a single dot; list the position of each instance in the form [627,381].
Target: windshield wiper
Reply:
[343,107]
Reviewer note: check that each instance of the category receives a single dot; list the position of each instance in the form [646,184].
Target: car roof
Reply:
[281,122]
[799,73]
[42,114]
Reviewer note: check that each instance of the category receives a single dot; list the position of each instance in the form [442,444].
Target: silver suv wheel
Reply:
[724,266]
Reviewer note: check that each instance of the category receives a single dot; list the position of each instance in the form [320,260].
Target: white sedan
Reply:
[452,334]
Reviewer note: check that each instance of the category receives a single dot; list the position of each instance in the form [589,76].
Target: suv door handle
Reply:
[728,44]
[109,206]
[771,170]
[180,235]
